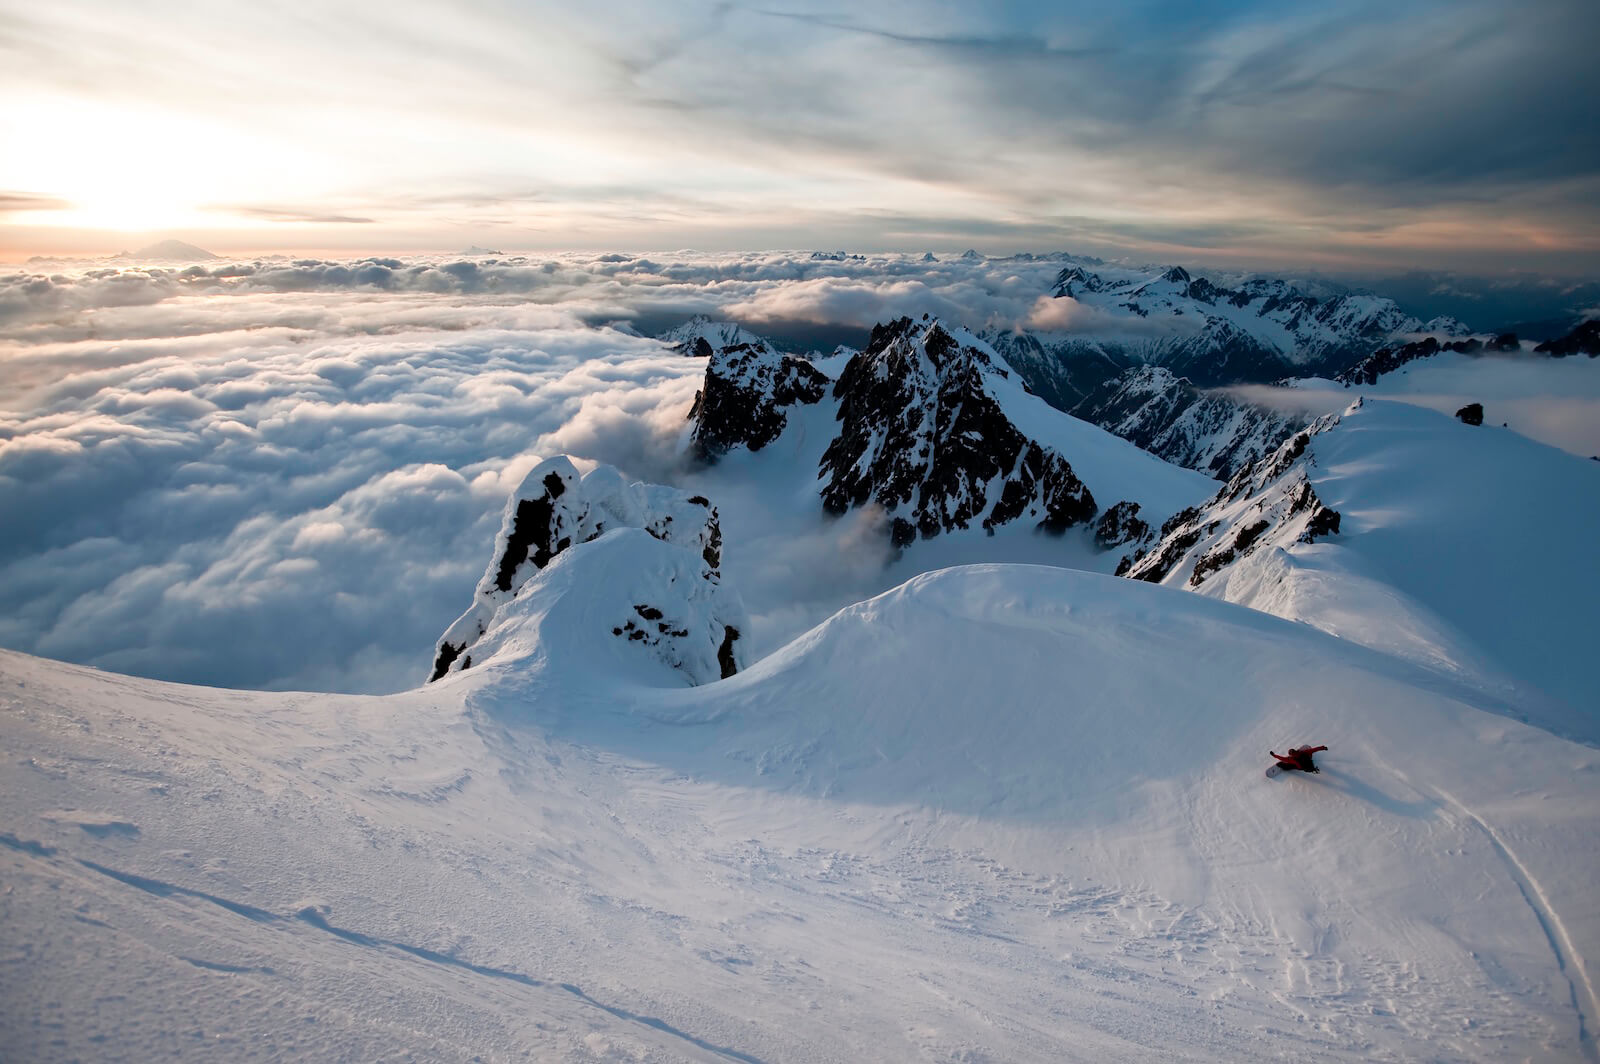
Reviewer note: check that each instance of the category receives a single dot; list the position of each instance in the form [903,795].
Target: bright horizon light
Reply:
[1254,134]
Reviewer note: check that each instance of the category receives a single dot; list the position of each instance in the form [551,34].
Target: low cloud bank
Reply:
[288,474]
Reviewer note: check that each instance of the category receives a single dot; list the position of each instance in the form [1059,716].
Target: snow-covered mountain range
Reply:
[1211,431]
[1259,331]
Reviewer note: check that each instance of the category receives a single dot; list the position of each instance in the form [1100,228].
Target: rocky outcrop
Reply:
[1210,431]
[1471,414]
[556,509]
[1269,503]
[1388,359]
[747,390]
[1583,340]
[922,435]
[1121,526]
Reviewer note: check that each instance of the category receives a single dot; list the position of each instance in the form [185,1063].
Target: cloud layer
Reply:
[288,473]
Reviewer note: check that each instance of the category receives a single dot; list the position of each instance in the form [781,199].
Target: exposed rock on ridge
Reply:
[1583,340]
[1269,503]
[747,388]
[1388,359]
[922,435]
[555,509]
[1152,408]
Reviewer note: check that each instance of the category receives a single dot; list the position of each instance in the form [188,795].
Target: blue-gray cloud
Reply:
[1261,126]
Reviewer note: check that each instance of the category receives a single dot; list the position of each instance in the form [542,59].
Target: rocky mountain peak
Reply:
[747,390]
[923,435]
[554,509]
[1268,503]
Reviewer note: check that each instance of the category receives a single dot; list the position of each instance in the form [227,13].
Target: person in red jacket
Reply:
[1299,757]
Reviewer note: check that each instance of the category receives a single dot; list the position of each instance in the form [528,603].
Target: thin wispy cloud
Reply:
[1411,133]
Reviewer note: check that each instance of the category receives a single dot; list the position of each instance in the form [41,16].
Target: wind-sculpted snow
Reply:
[999,812]
[1210,431]
[688,622]
[1405,530]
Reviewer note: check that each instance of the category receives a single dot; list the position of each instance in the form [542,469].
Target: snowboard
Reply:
[1273,770]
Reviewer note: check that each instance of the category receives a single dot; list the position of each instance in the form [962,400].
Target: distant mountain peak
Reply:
[169,251]
[924,436]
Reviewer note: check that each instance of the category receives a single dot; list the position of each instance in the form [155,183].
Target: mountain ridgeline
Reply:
[929,429]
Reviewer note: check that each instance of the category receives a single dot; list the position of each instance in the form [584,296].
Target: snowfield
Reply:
[1001,812]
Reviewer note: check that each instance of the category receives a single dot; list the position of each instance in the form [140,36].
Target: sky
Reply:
[1352,135]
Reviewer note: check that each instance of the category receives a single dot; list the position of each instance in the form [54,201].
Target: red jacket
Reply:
[1299,757]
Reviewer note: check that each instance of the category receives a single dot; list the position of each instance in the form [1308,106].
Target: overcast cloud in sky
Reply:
[1435,133]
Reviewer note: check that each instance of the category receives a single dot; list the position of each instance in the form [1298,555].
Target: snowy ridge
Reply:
[700,336]
[1403,529]
[555,509]
[1268,504]
[1388,359]
[1212,432]
[1260,331]
[748,387]
[1001,811]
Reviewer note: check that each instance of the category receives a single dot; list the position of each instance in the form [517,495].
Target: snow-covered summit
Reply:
[700,336]
[554,510]
[1009,812]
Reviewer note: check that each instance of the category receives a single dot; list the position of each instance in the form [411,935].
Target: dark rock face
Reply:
[446,657]
[1583,340]
[1063,374]
[725,658]
[1471,414]
[922,435]
[1168,416]
[532,533]
[1120,525]
[1269,503]
[747,389]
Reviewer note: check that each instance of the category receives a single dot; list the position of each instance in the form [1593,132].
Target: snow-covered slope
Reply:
[1463,548]
[1005,813]
[1212,432]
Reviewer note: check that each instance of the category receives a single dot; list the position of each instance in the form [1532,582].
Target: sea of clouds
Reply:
[288,473]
